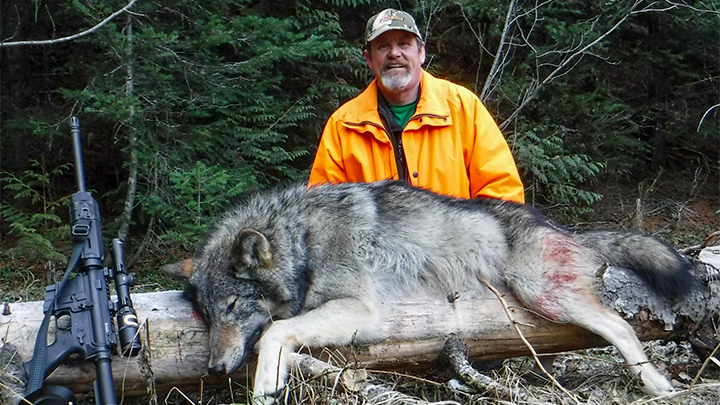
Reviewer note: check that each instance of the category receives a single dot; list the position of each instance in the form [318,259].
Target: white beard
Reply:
[396,81]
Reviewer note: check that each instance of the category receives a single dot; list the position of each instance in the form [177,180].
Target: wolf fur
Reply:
[305,267]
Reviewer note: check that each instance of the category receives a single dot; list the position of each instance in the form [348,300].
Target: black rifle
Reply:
[81,306]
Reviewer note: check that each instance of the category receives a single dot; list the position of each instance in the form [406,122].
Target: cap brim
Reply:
[386,29]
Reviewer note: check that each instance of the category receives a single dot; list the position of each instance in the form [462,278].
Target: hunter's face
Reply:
[396,59]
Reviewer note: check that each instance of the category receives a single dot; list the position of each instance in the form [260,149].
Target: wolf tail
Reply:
[658,263]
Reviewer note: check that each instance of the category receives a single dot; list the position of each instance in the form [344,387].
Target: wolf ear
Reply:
[181,270]
[251,249]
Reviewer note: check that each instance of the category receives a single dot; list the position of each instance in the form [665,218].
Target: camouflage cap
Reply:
[390,19]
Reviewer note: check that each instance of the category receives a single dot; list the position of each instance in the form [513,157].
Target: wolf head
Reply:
[237,283]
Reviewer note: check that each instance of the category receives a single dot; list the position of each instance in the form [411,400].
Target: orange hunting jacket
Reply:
[452,145]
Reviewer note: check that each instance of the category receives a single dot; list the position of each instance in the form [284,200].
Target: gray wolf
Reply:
[306,266]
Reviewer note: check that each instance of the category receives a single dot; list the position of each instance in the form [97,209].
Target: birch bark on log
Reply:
[176,340]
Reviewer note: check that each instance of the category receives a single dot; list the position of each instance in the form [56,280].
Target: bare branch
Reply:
[705,115]
[712,8]
[503,54]
[499,53]
[570,61]
[74,36]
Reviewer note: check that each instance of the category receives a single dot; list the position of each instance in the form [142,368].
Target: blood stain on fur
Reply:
[562,254]
[549,306]
[559,249]
[198,317]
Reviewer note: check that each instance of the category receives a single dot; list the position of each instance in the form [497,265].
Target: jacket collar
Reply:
[431,101]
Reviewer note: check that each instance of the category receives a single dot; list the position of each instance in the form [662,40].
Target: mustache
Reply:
[389,65]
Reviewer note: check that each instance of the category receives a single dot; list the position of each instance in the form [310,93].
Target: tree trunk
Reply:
[176,341]
[126,216]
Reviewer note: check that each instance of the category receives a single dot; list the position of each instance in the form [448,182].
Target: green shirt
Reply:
[402,113]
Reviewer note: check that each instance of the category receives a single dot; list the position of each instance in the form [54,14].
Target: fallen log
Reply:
[175,341]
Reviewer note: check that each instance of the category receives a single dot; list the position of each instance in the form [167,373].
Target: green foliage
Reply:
[19,281]
[238,86]
[37,227]
[232,95]
[193,197]
[554,174]
[600,125]
[349,3]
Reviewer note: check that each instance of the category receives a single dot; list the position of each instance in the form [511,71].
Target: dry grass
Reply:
[593,377]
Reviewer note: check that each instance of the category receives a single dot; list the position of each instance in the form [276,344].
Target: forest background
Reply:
[610,108]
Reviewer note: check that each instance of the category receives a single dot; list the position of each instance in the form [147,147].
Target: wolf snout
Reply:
[219,369]
[219,366]
[216,370]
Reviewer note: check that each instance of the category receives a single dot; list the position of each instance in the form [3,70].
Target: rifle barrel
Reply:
[79,170]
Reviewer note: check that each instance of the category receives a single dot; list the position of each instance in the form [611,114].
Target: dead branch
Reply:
[354,380]
[454,354]
[566,64]
[74,36]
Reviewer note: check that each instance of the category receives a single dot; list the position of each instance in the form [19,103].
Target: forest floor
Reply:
[679,207]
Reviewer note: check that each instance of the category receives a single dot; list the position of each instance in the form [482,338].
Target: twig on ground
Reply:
[12,375]
[182,394]
[355,381]
[676,394]
[710,358]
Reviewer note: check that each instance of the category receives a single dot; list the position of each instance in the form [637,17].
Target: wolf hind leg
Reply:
[333,323]
[611,327]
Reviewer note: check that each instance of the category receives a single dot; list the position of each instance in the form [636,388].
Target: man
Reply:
[408,125]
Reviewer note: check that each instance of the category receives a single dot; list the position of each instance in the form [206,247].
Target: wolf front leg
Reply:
[333,323]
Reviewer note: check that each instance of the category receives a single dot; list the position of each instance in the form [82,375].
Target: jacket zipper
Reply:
[401,161]
[398,150]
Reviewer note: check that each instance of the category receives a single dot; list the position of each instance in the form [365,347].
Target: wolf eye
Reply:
[231,306]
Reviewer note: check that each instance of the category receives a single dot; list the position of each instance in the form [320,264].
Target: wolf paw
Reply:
[264,399]
[655,384]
